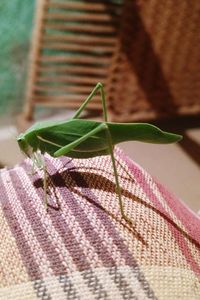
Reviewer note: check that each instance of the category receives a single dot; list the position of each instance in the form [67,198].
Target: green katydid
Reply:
[81,138]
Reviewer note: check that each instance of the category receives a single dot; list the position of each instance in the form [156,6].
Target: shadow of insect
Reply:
[78,182]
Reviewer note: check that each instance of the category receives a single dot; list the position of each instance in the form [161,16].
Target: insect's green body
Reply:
[78,138]
[51,136]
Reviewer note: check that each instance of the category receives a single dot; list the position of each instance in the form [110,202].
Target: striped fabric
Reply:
[82,248]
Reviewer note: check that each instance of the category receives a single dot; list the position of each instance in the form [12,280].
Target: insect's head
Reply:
[24,146]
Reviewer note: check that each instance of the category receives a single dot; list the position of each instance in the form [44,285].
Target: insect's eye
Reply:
[20,137]
[23,145]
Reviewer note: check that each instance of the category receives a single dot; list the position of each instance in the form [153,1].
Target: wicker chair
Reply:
[145,52]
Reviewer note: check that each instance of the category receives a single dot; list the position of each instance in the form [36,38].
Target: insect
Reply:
[81,138]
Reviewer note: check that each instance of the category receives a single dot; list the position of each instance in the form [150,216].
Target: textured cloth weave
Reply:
[84,249]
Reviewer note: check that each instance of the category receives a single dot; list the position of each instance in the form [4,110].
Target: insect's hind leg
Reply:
[98,87]
[118,189]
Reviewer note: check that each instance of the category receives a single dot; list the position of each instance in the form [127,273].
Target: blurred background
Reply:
[16,22]
[147,55]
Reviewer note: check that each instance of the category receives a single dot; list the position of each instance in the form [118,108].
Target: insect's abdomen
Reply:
[54,138]
[142,132]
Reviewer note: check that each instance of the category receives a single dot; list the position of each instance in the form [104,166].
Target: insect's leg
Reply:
[36,162]
[118,189]
[65,149]
[98,87]
[45,186]
[38,159]
[32,171]
[40,163]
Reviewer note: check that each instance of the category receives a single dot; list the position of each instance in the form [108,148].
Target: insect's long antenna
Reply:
[118,189]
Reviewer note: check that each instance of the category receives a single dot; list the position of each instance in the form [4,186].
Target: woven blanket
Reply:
[81,248]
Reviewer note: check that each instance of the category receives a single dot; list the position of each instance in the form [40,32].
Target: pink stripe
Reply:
[81,217]
[79,214]
[138,175]
[57,257]
[38,229]
[91,234]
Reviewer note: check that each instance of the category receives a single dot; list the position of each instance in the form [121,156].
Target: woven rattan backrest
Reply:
[145,52]
[72,46]
[156,64]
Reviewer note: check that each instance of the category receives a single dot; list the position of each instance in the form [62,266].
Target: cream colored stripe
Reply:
[169,283]
[53,235]
[95,221]
[23,291]
[12,268]
[38,255]
[27,291]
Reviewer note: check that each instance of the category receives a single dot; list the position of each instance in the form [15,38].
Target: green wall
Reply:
[16,18]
